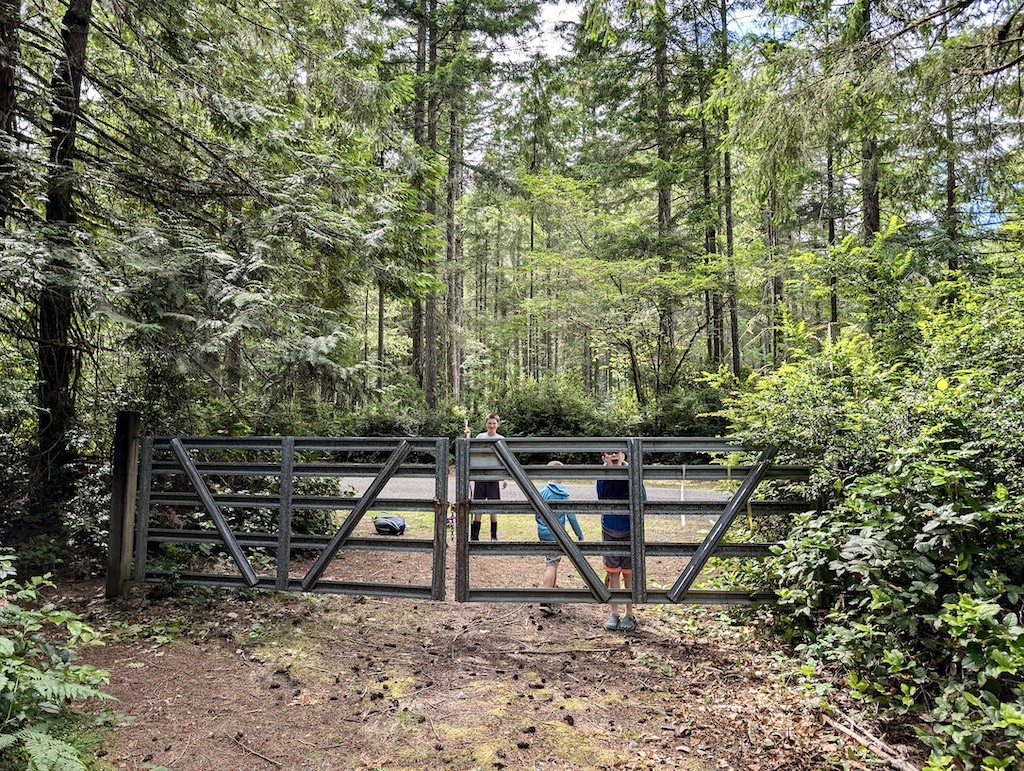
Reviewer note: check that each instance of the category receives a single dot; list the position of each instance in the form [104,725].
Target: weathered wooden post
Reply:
[122,503]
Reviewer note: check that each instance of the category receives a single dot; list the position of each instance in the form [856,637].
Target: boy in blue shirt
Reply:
[616,527]
[554,491]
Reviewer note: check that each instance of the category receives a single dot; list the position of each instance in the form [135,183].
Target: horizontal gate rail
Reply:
[354,516]
[491,460]
[188,478]
[234,502]
[223,529]
[693,473]
[714,538]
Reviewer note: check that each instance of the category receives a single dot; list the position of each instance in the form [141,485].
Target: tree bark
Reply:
[710,217]
[734,315]
[833,280]
[666,332]
[870,156]
[419,137]
[430,336]
[453,336]
[952,229]
[380,335]
[870,198]
[57,359]
[10,26]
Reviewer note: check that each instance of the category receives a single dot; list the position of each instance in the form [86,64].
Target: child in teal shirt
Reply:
[554,491]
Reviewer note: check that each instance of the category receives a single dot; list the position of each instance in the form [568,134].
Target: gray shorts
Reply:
[616,563]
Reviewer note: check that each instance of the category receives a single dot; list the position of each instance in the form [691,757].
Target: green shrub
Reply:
[912,575]
[547,408]
[39,680]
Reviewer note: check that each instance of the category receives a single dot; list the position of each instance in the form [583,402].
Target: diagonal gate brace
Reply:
[714,537]
[596,585]
[369,498]
[248,574]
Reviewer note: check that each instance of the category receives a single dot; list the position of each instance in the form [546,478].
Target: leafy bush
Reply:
[38,679]
[912,577]
[547,408]
[690,410]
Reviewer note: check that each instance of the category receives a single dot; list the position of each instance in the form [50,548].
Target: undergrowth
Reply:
[40,683]
[911,576]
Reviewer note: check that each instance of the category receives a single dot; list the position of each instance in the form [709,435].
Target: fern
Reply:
[48,753]
[52,688]
[38,682]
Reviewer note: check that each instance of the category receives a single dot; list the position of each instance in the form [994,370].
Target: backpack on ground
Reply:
[389,525]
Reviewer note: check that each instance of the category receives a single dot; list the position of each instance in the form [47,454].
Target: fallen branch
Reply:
[258,755]
[884,751]
[556,651]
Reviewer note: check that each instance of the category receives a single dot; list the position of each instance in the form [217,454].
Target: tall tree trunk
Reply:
[430,337]
[635,376]
[871,214]
[453,256]
[710,215]
[734,314]
[952,229]
[833,280]
[717,299]
[419,137]
[870,197]
[666,325]
[733,296]
[717,328]
[774,343]
[57,358]
[529,357]
[588,366]
[380,335]
[233,366]
[10,25]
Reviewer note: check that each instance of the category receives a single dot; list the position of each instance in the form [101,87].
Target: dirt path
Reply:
[269,681]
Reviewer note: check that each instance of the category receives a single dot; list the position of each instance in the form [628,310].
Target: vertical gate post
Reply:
[462,520]
[284,514]
[122,503]
[142,508]
[437,569]
[637,537]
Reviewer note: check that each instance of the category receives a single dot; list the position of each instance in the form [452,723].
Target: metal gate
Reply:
[666,461]
[241,510]
[294,514]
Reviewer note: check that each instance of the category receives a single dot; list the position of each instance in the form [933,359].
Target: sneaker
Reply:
[612,624]
[548,609]
[627,624]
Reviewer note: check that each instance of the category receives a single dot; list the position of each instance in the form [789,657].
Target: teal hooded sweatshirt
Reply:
[553,491]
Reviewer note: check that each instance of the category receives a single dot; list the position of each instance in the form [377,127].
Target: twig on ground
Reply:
[188,744]
[556,651]
[884,751]
[418,692]
[258,755]
[324,747]
[433,728]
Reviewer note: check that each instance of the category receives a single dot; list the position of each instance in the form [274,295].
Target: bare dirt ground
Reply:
[247,680]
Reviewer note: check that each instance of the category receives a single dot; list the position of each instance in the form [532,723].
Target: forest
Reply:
[798,223]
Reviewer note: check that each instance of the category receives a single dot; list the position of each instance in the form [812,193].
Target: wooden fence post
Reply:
[122,503]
